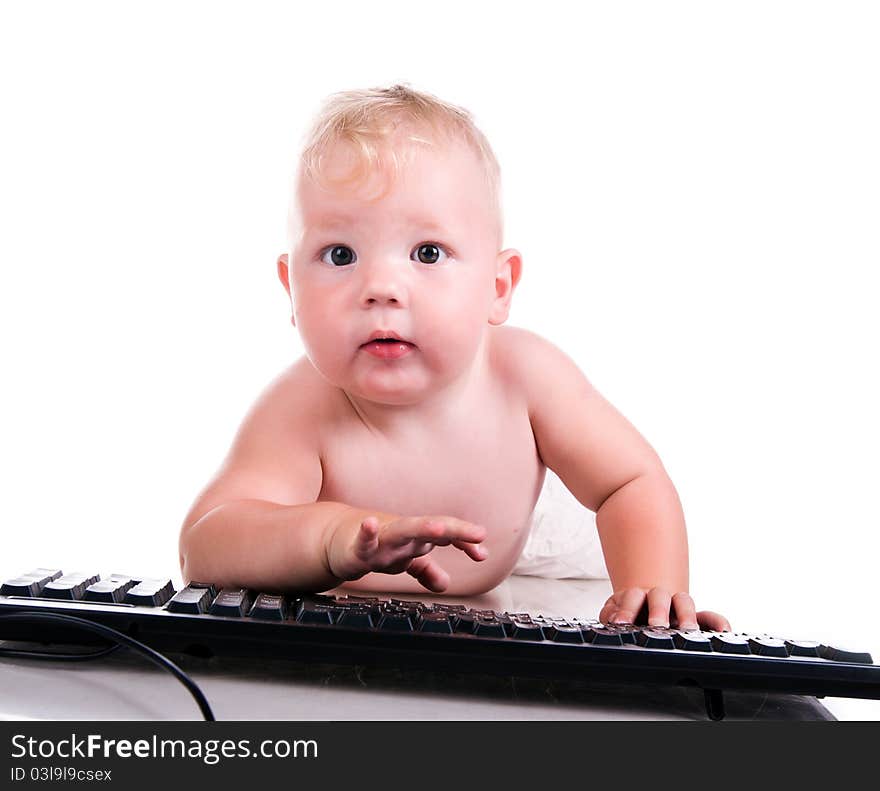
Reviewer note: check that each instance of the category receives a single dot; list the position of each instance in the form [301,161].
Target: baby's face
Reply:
[421,261]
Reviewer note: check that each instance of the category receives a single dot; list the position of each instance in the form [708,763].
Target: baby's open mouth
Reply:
[387,348]
[387,339]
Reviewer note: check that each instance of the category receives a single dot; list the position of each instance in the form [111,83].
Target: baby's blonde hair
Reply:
[369,120]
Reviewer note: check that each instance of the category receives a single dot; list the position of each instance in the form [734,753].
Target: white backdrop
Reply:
[693,186]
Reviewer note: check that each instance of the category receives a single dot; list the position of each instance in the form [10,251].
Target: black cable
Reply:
[122,639]
[59,655]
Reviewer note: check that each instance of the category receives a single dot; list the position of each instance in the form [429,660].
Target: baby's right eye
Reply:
[340,255]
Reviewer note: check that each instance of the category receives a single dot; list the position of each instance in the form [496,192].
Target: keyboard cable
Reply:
[119,639]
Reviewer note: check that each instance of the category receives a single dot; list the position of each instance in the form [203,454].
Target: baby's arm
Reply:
[258,525]
[610,468]
[316,546]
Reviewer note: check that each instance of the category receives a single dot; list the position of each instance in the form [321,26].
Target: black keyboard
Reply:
[366,630]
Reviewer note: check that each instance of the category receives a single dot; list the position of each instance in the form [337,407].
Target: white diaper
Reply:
[563,542]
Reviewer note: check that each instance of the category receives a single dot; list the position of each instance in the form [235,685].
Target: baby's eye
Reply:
[340,255]
[428,253]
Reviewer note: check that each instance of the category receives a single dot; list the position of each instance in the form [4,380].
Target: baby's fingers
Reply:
[439,531]
[685,612]
[712,621]
[631,601]
[659,603]
[367,540]
[429,574]
[473,551]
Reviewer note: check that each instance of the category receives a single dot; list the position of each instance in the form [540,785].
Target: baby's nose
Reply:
[382,284]
[379,300]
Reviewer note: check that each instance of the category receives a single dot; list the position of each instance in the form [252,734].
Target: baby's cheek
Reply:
[322,346]
[453,327]
[446,354]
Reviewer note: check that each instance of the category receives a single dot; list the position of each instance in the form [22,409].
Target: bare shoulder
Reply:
[283,410]
[275,455]
[591,446]
[296,397]
[530,363]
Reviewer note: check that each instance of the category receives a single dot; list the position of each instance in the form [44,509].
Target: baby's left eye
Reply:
[429,253]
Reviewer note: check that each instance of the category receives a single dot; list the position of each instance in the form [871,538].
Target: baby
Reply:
[406,450]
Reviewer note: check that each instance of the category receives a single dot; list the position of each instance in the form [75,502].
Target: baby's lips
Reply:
[386,334]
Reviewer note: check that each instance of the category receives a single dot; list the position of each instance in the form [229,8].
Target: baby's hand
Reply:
[658,607]
[402,545]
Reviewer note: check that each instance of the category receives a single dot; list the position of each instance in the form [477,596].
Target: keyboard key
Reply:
[194,601]
[403,604]
[600,635]
[111,590]
[627,631]
[464,622]
[768,646]
[70,587]
[505,619]
[655,637]
[269,607]
[560,633]
[449,608]
[311,612]
[396,622]
[802,647]
[321,598]
[212,590]
[435,622]
[150,593]
[357,618]
[844,655]
[730,643]
[346,604]
[692,641]
[526,631]
[231,602]
[30,584]
[488,627]
[584,623]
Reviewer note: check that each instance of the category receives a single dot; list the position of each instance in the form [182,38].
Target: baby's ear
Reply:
[507,275]
[283,272]
[284,277]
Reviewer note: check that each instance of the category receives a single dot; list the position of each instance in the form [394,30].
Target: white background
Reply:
[693,186]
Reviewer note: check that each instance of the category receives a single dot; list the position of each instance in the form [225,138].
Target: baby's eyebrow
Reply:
[346,221]
[335,220]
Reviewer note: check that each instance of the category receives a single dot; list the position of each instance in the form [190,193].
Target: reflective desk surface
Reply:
[123,686]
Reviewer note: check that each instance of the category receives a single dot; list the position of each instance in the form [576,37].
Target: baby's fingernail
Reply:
[690,626]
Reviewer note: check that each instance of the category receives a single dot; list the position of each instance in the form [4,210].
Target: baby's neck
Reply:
[445,407]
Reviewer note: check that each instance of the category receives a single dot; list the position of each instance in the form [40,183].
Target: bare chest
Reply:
[486,470]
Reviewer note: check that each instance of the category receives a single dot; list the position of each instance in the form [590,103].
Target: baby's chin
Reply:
[387,394]
[403,383]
